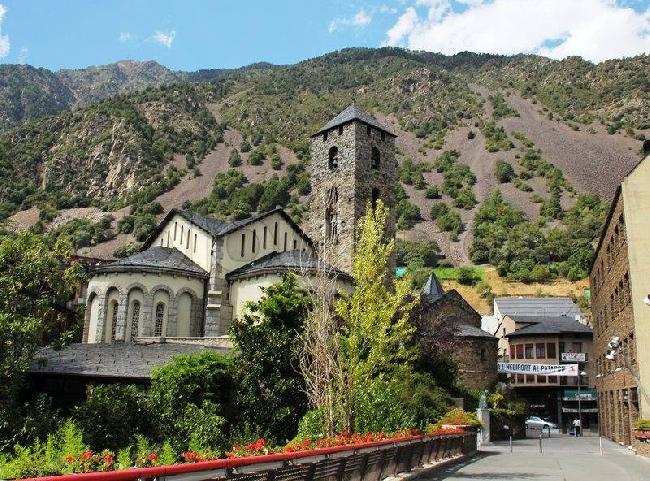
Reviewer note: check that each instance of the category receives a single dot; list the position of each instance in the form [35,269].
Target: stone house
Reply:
[447,313]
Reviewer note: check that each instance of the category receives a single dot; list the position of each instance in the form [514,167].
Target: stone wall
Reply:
[347,189]
[476,356]
[613,316]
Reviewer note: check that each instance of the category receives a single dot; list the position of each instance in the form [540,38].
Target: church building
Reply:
[195,274]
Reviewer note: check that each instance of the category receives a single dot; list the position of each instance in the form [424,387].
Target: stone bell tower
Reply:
[352,164]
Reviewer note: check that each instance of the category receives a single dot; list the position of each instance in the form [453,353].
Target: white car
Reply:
[539,423]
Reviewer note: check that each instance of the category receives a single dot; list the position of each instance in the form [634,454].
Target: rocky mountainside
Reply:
[540,131]
[28,93]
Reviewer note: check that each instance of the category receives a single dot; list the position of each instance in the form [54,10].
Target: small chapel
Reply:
[195,274]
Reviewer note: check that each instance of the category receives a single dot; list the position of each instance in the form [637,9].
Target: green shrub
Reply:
[112,415]
[432,192]
[234,160]
[504,171]
[466,276]
[439,209]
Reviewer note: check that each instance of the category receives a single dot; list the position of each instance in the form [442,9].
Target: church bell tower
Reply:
[352,165]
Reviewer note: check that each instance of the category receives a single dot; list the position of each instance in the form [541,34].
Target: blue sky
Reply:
[193,34]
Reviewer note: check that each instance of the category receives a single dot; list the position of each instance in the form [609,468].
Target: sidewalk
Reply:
[564,458]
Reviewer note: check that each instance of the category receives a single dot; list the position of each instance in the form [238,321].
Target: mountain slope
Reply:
[137,148]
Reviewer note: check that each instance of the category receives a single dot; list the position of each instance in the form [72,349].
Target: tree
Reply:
[376,333]
[34,291]
[190,398]
[271,391]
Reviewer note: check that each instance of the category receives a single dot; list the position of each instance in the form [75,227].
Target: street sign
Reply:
[582,395]
[573,357]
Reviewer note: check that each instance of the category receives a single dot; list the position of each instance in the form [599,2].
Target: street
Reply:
[564,458]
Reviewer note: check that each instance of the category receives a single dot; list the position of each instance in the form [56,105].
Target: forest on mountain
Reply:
[97,154]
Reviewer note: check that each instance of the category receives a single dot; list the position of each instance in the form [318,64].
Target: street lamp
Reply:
[616,348]
[580,374]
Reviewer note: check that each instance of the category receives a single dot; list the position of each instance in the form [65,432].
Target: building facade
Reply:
[620,284]
[547,330]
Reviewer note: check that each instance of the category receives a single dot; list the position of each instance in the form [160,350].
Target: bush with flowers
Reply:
[456,417]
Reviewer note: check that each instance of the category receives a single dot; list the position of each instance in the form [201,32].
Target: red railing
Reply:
[224,468]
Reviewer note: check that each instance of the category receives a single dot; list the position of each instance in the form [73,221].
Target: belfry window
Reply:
[160,317]
[331,215]
[325,136]
[340,130]
[375,158]
[375,197]
[368,130]
[333,158]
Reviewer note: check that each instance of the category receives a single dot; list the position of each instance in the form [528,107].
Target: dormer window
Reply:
[333,158]
[375,158]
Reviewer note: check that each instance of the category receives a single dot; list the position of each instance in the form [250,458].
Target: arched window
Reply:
[175,227]
[375,197]
[331,215]
[160,317]
[340,130]
[375,158]
[113,319]
[334,158]
[135,318]
[482,355]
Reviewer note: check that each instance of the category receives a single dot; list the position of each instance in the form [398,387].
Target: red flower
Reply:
[108,459]
[152,457]
[87,455]
[69,458]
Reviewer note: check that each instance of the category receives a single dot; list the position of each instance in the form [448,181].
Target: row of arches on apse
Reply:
[161,299]
[333,158]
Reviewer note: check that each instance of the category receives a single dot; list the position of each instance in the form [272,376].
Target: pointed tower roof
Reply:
[352,112]
[432,289]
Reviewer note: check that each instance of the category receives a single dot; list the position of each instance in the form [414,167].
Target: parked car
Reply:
[539,423]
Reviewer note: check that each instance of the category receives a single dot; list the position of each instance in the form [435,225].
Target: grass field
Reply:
[448,277]
[452,273]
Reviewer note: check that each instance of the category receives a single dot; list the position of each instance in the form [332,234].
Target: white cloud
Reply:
[387,9]
[405,24]
[22,56]
[4,39]
[360,19]
[164,38]
[124,37]
[594,29]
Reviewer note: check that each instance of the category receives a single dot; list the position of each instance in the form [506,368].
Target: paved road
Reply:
[563,459]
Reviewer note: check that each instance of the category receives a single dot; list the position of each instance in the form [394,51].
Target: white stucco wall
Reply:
[141,286]
[250,289]
[636,199]
[232,250]
[200,242]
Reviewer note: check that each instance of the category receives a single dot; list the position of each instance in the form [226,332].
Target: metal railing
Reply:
[366,462]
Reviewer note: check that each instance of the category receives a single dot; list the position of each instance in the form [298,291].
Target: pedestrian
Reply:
[577,427]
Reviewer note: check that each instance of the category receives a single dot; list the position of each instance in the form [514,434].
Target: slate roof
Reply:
[466,330]
[432,289]
[520,307]
[218,228]
[279,261]
[552,325]
[352,112]
[160,259]
[116,360]
[463,329]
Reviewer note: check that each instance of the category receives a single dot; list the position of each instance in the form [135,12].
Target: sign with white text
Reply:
[573,357]
[563,370]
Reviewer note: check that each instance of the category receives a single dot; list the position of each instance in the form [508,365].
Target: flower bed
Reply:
[260,447]
[641,434]
[89,462]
